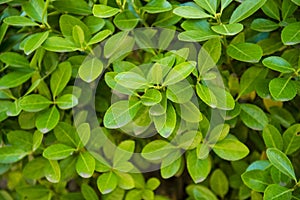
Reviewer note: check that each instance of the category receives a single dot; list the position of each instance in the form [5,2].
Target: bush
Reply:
[149,99]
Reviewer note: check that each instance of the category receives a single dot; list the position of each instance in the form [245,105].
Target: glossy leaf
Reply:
[58,152]
[291,139]
[19,21]
[282,89]
[47,120]
[277,192]
[178,73]
[34,103]
[14,79]
[35,41]
[228,29]
[85,165]
[197,168]
[104,11]
[191,12]
[253,117]
[90,69]
[107,182]
[157,6]
[290,34]
[246,52]
[278,64]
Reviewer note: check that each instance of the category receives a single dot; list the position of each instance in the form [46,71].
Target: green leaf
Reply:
[208,5]
[11,154]
[219,183]
[78,36]
[14,59]
[282,116]
[197,168]
[190,112]
[209,55]
[245,52]
[230,149]
[66,101]
[152,183]
[125,180]
[131,80]
[78,7]
[215,97]
[277,192]
[59,44]
[14,79]
[151,97]
[271,9]
[34,103]
[290,35]
[58,152]
[66,134]
[52,171]
[157,149]
[37,139]
[253,117]
[281,162]
[85,165]
[100,36]
[246,9]
[197,35]
[200,192]
[60,78]
[19,21]
[68,22]
[47,120]
[104,11]
[264,25]
[297,2]
[180,92]
[179,72]
[278,64]
[123,152]
[84,133]
[250,78]
[171,164]
[282,89]
[107,182]
[90,69]
[225,3]
[34,9]
[119,115]
[35,168]
[257,180]
[34,41]
[272,137]
[228,29]
[88,192]
[157,6]
[291,139]
[165,123]
[126,20]
[287,9]
[191,12]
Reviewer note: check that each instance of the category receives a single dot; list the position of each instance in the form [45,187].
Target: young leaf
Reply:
[100,36]
[190,112]
[245,52]
[131,80]
[119,115]
[191,12]
[197,168]
[85,165]
[59,44]
[126,20]
[281,162]
[157,6]
[228,29]
[123,152]
[78,36]
[107,182]
[10,154]
[180,92]
[151,97]
[179,72]
[253,116]
[170,165]
[35,41]
[90,69]
[231,149]
[47,120]
[247,8]
[68,22]
[208,5]
[34,103]
[157,150]
[58,152]
[278,64]
[14,79]
[19,21]
[14,59]
[282,89]
[66,101]
[104,11]
[60,78]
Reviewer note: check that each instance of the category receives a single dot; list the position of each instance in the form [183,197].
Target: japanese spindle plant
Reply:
[149,99]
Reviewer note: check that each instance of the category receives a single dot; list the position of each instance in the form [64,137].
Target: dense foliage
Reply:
[149,99]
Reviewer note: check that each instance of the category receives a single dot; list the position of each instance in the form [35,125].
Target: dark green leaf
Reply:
[278,64]
[290,34]
[14,79]
[253,116]
[34,103]
[245,52]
